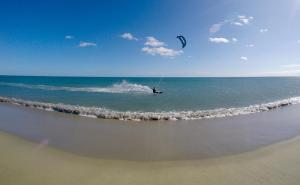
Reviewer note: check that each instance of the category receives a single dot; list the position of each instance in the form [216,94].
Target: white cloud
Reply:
[219,40]
[240,20]
[237,24]
[155,47]
[244,19]
[298,41]
[87,44]
[234,39]
[162,51]
[128,36]
[216,27]
[250,45]
[151,41]
[290,66]
[263,30]
[69,37]
[244,58]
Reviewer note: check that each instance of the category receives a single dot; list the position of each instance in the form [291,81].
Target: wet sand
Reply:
[151,141]
[26,163]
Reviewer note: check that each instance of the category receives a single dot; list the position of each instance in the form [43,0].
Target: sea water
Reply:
[132,98]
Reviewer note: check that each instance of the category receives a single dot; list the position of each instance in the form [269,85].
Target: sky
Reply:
[138,38]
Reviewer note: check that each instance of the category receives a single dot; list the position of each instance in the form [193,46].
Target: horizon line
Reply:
[84,76]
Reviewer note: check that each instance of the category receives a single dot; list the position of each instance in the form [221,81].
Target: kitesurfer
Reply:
[155,91]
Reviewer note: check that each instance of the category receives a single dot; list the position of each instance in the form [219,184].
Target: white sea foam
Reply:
[123,87]
[98,112]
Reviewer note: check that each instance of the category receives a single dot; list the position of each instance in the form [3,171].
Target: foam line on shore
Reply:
[104,113]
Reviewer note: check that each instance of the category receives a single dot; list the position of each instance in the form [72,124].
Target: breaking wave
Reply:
[98,112]
[123,87]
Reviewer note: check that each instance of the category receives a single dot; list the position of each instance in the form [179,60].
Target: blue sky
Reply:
[138,38]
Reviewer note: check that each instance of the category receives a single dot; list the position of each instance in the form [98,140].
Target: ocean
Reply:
[127,98]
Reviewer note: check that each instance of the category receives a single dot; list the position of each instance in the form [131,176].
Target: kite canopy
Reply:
[182,40]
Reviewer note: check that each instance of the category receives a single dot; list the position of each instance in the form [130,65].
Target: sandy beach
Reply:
[23,163]
[267,154]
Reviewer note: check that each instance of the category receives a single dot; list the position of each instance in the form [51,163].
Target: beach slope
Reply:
[26,163]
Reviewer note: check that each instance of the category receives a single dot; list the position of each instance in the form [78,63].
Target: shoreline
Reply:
[104,113]
[274,164]
[40,147]
[159,141]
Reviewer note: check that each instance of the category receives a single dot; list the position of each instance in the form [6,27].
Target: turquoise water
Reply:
[135,94]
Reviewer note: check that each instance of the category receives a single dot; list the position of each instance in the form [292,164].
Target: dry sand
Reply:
[25,163]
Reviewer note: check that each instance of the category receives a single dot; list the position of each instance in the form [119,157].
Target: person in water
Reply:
[155,91]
